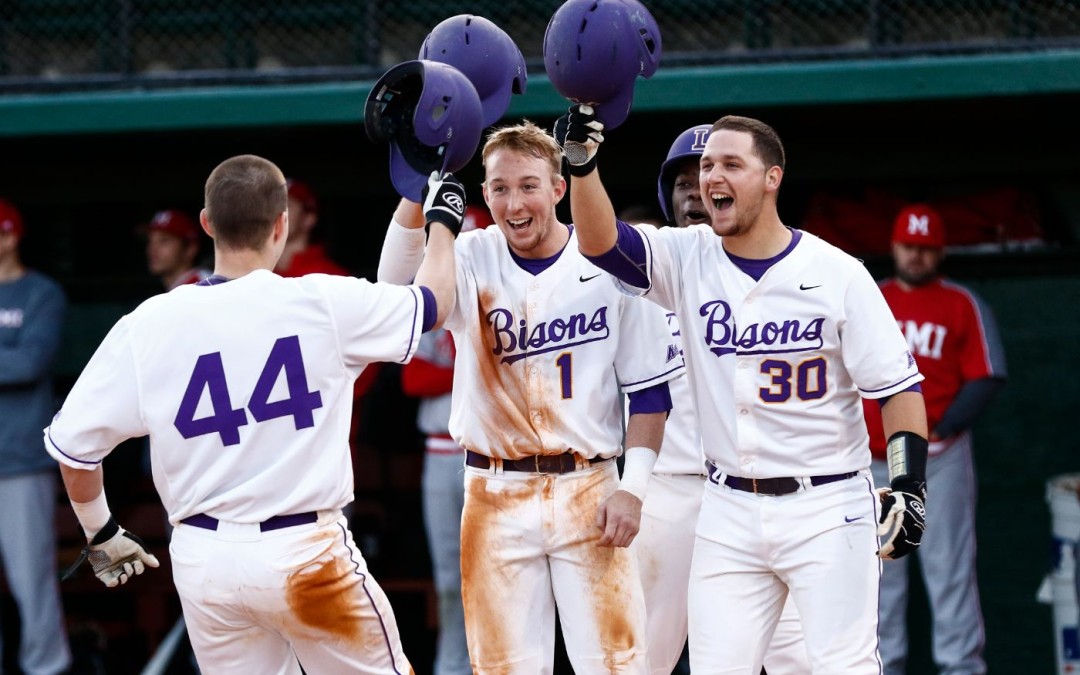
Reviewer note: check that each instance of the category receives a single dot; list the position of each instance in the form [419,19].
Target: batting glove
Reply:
[115,555]
[444,201]
[902,521]
[578,132]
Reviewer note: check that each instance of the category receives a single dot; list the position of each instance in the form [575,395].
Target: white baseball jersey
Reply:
[539,337]
[681,452]
[245,389]
[798,348]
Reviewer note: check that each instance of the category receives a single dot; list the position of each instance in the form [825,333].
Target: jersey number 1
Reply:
[209,374]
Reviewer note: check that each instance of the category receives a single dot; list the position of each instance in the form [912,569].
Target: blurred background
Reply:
[111,110]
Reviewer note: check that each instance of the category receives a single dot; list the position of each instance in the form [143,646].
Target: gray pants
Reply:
[947,559]
[444,497]
[28,550]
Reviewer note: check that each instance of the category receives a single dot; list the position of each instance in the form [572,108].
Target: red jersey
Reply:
[312,260]
[954,340]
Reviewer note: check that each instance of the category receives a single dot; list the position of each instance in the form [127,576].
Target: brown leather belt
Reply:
[564,463]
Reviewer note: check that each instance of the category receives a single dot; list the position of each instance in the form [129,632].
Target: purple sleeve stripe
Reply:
[626,260]
[662,377]
[917,388]
[57,448]
[431,309]
[872,391]
[654,399]
[413,341]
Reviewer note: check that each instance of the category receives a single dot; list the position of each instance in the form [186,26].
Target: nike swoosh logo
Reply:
[803,287]
[852,520]
[583,279]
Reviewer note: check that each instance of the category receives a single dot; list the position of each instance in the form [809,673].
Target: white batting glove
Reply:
[115,555]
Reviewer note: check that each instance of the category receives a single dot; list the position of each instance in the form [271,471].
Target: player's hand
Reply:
[619,519]
[116,555]
[902,521]
[444,201]
[578,132]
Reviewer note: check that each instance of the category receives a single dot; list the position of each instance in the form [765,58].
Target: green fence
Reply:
[105,43]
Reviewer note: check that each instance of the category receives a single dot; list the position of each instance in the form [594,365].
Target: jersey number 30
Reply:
[209,374]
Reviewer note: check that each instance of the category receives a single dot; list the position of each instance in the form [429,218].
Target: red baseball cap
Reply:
[10,218]
[301,192]
[176,223]
[919,225]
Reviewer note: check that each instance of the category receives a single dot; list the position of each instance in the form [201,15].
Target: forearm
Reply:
[403,246]
[438,271]
[594,216]
[969,403]
[81,485]
[905,411]
[646,430]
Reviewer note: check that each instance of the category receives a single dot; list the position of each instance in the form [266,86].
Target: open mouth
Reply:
[722,201]
[519,224]
[696,217]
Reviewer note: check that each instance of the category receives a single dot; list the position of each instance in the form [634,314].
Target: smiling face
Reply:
[736,185]
[686,203]
[521,192]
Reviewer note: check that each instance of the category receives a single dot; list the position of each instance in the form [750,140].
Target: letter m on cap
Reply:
[920,225]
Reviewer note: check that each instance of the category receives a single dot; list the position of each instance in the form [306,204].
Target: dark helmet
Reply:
[430,113]
[485,54]
[594,50]
[688,144]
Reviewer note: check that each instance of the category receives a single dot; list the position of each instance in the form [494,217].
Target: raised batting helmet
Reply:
[430,113]
[485,54]
[690,143]
[594,50]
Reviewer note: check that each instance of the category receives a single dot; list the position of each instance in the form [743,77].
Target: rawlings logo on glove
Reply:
[444,201]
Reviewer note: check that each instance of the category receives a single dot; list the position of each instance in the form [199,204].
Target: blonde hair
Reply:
[527,139]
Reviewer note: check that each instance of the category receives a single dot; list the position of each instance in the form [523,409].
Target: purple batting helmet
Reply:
[688,144]
[485,54]
[594,50]
[430,114]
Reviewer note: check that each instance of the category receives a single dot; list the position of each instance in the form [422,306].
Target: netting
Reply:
[97,42]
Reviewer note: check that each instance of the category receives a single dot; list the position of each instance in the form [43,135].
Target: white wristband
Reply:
[92,515]
[638,464]
[402,253]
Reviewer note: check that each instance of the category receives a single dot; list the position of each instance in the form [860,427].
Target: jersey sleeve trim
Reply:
[61,456]
[656,379]
[417,320]
[894,388]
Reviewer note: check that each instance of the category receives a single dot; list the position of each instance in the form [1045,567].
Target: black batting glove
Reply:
[903,518]
[444,202]
[579,134]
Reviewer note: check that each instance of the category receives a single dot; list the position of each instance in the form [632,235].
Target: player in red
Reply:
[302,255]
[955,341]
[172,245]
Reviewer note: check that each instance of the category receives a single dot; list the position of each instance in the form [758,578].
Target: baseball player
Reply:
[545,341]
[242,383]
[670,512]
[302,255]
[955,341]
[782,335]
[172,244]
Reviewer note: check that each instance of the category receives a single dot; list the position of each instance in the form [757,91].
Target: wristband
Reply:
[906,452]
[638,464]
[581,170]
[93,515]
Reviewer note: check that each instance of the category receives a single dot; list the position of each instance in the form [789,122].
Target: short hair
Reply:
[244,196]
[527,139]
[767,143]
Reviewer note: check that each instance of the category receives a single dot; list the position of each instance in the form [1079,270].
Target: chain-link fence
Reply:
[95,43]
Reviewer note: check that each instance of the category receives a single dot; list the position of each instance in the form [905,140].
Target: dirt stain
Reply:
[324,596]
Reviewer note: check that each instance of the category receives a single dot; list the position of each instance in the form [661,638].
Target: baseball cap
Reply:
[176,223]
[919,225]
[10,219]
[301,192]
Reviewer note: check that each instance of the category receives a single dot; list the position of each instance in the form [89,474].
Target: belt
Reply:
[564,463]
[777,487]
[276,523]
